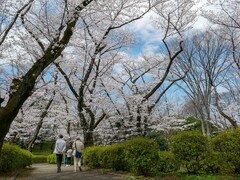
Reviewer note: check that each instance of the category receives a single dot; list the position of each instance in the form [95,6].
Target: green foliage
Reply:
[190,148]
[93,155]
[228,144]
[51,159]
[112,157]
[44,148]
[141,156]
[213,162]
[193,124]
[138,155]
[13,157]
[40,159]
[167,162]
[161,140]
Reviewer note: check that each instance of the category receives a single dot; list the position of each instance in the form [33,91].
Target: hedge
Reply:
[51,159]
[13,157]
[112,157]
[39,158]
[138,155]
[190,147]
[167,162]
[227,143]
[141,156]
[93,155]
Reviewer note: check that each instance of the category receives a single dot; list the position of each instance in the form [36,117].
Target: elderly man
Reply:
[60,148]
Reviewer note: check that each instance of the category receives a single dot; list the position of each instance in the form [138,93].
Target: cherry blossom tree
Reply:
[48,31]
[144,81]
[45,114]
[94,52]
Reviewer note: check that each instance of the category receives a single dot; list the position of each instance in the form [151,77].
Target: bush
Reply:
[167,162]
[141,156]
[112,157]
[39,159]
[93,155]
[190,148]
[213,162]
[51,159]
[45,147]
[160,139]
[193,124]
[13,157]
[228,144]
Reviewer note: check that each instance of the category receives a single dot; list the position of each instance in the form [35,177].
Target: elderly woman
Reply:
[77,153]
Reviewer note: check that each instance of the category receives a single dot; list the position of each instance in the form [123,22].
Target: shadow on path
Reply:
[48,171]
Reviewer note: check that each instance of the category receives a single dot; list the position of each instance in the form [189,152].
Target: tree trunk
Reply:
[39,126]
[139,119]
[202,123]
[88,138]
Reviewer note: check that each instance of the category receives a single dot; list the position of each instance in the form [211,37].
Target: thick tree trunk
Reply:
[5,115]
[88,138]
[22,88]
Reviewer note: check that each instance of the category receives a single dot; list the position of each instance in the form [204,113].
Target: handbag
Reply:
[78,154]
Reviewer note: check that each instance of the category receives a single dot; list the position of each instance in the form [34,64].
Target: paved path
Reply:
[48,171]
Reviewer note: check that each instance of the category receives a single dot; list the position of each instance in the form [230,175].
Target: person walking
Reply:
[78,147]
[60,148]
[68,146]
[69,156]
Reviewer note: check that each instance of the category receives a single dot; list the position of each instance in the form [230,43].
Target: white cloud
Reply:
[145,30]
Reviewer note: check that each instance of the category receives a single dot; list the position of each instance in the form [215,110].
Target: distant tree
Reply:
[210,63]
[226,15]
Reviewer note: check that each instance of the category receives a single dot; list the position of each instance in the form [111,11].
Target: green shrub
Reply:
[112,157]
[141,156]
[46,148]
[167,162]
[194,124]
[51,159]
[13,157]
[161,140]
[213,162]
[228,144]
[92,156]
[39,159]
[190,148]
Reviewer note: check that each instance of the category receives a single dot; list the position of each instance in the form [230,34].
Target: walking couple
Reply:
[60,149]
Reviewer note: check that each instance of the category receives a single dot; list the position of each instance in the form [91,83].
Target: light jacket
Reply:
[60,146]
